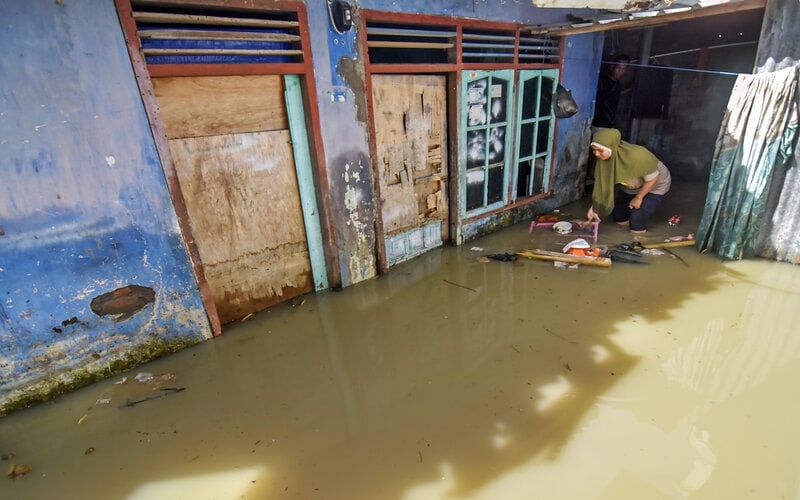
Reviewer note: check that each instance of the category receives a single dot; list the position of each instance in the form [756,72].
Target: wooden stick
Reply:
[665,244]
[565,257]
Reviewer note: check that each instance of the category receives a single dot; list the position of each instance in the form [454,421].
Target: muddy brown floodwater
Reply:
[456,378]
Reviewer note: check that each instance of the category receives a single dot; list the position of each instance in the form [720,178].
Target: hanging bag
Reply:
[564,105]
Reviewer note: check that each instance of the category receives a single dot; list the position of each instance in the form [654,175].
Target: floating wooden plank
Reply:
[218,105]
[565,257]
[164,17]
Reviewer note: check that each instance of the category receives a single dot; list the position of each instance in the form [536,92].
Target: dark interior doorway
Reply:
[674,93]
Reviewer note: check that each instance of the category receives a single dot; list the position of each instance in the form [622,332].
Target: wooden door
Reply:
[230,142]
[411,135]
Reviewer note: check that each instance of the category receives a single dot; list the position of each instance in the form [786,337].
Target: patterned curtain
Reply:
[755,139]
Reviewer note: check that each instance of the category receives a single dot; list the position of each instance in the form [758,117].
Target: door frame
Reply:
[304,71]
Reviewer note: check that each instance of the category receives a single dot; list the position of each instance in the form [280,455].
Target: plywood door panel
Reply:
[242,196]
[217,105]
[411,137]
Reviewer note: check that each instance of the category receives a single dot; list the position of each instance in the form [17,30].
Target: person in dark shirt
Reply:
[608,92]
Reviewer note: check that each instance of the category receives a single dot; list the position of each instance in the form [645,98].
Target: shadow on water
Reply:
[435,380]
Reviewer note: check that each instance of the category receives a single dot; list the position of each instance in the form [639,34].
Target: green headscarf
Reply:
[627,161]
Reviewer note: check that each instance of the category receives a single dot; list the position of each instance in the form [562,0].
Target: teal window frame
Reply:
[468,77]
[528,137]
[529,132]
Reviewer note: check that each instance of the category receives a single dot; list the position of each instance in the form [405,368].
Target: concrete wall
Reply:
[780,48]
[84,208]
[702,68]
[685,140]
[339,77]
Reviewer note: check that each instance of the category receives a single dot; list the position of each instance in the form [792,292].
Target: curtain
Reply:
[756,138]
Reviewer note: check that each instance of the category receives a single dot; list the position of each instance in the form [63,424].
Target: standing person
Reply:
[629,181]
[609,89]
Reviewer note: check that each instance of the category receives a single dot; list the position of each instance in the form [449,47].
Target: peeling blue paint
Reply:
[84,206]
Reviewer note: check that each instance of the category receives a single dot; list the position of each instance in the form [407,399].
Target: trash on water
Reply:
[562,227]
[143,377]
[166,391]
[564,265]
[581,248]
[577,243]
[503,257]
[17,470]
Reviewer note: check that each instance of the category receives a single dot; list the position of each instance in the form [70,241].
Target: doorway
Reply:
[230,142]
[411,140]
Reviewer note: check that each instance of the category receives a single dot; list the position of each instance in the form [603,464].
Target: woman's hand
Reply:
[635,203]
[592,215]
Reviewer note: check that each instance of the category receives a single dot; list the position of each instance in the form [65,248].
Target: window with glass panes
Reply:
[501,144]
[535,123]
[487,101]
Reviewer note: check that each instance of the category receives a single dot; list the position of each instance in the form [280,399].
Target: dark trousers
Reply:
[638,217]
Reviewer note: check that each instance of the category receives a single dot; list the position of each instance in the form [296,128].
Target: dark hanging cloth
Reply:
[755,138]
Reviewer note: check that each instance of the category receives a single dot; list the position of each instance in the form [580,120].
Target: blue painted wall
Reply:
[581,68]
[339,78]
[84,207]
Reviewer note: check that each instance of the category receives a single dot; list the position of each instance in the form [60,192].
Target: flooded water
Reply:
[456,378]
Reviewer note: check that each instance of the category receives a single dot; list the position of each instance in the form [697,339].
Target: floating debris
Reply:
[503,257]
[166,392]
[460,286]
[565,265]
[143,377]
[17,470]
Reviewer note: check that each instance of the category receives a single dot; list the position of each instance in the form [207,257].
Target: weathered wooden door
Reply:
[230,142]
[411,135]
